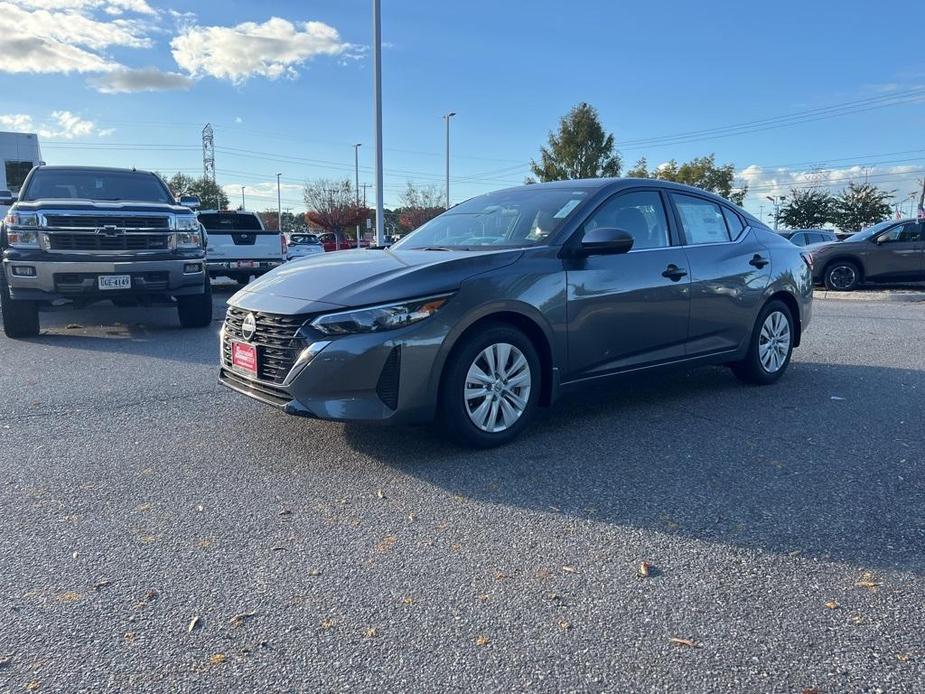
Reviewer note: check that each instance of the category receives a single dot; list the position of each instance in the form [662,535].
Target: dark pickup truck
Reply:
[84,234]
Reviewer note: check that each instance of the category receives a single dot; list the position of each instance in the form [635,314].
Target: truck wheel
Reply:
[20,318]
[195,311]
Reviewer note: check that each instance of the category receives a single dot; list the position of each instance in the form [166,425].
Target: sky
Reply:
[791,93]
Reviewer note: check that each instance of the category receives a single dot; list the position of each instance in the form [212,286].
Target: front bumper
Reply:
[253,267]
[69,279]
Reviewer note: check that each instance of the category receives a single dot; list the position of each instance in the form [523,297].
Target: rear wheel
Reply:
[842,276]
[195,311]
[490,388]
[20,318]
[770,348]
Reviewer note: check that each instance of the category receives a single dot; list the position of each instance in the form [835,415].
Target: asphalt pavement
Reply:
[160,533]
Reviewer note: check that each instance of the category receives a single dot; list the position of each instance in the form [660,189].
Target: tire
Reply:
[516,404]
[842,276]
[195,310]
[763,365]
[20,318]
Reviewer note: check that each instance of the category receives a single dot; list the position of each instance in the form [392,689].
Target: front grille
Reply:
[267,394]
[97,221]
[275,338]
[387,387]
[84,282]
[58,241]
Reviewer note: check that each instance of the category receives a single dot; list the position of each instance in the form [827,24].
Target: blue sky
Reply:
[287,86]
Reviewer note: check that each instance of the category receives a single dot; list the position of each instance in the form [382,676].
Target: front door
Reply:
[628,310]
[898,254]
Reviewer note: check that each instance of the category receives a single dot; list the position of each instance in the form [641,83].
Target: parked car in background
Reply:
[239,245]
[302,246]
[87,234]
[330,243]
[892,251]
[804,237]
[499,304]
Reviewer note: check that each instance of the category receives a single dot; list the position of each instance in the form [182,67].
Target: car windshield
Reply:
[79,184]
[512,219]
[865,234]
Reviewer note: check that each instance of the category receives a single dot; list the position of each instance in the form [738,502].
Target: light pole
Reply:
[279,205]
[377,110]
[776,200]
[447,117]
[356,173]
[242,197]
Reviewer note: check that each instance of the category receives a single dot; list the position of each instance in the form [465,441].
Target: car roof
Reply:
[114,169]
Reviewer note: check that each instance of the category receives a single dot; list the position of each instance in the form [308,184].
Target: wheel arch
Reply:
[790,301]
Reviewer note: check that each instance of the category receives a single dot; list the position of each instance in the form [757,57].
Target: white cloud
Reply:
[273,49]
[779,181]
[126,80]
[60,125]
[67,36]
[261,196]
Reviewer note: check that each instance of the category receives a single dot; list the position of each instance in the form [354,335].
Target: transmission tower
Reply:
[208,152]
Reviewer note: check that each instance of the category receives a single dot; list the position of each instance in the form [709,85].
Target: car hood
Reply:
[365,277]
[94,206]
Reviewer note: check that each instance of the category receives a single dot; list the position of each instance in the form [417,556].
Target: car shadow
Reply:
[826,463]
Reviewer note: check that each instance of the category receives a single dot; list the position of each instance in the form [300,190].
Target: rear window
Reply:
[82,184]
[230,221]
[303,239]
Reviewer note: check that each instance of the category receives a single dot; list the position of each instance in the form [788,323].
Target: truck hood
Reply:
[364,277]
[96,206]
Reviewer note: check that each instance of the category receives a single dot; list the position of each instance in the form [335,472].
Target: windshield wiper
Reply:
[436,248]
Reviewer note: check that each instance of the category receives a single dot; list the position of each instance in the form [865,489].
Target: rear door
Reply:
[237,235]
[897,255]
[628,310]
[730,270]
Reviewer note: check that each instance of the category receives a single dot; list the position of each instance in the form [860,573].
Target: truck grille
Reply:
[275,339]
[97,221]
[102,242]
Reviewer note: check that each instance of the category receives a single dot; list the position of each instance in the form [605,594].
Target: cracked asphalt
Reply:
[159,533]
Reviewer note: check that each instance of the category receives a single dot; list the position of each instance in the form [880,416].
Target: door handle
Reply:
[758,261]
[674,273]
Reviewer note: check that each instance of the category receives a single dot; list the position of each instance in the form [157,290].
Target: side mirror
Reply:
[606,241]
[7,197]
[190,201]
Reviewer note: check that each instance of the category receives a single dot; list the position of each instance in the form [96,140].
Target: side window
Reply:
[910,231]
[641,214]
[733,223]
[702,220]
[799,239]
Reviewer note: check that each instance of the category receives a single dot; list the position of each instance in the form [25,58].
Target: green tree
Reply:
[860,205]
[581,149]
[211,195]
[807,209]
[700,172]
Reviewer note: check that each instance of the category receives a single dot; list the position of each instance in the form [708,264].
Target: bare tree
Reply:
[420,205]
[332,206]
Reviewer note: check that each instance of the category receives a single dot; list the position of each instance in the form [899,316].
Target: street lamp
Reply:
[776,200]
[356,170]
[447,117]
[242,197]
[279,205]
[377,117]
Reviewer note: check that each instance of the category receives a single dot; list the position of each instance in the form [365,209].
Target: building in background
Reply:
[19,152]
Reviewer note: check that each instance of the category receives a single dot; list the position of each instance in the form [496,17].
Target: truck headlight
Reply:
[187,239]
[21,219]
[377,318]
[23,238]
[186,223]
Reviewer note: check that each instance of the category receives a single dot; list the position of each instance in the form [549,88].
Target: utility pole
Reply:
[365,186]
[776,200]
[242,197]
[208,152]
[356,190]
[377,110]
[447,117]
[921,211]
[279,205]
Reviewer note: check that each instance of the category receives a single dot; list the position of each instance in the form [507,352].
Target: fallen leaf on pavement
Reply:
[689,643]
[33,686]
[903,657]
[482,640]
[867,581]
[241,617]
[407,600]
[387,543]
[327,624]
[151,595]
[194,624]
[370,632]
[69,596]
[314,572]
[569,569]
[217,658]
[644,570]
[129,636]
[564,625]
[380,493]
[832,605]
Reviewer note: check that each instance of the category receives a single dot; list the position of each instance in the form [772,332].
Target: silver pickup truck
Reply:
[84,234]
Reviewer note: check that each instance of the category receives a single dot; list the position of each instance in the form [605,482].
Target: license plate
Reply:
[244,356]
[115,281]
[247,264]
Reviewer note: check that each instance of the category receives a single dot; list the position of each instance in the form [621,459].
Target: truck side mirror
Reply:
[6,197]
[190,201]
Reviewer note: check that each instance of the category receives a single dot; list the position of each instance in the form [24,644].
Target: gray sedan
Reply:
[503,302]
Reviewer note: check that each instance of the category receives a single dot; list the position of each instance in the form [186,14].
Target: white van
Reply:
[239,246]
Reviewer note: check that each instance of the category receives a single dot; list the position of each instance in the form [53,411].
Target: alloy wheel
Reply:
[774,342]
[842,276]
[497,387]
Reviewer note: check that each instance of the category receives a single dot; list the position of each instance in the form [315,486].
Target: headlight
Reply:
[186,223]
[22,219]
[187,239]
[377,318]
[23,238]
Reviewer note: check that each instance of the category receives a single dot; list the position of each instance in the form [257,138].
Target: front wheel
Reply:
[842,276]
[770,348]
[195,311]
[20,318]
[490,388]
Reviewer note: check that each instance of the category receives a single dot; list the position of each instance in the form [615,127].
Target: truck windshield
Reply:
[218,222]
[87,184]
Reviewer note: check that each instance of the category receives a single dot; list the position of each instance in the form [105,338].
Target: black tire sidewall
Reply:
[750,369]
[195,311]
[452,413]
[837,264]
[20,318]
